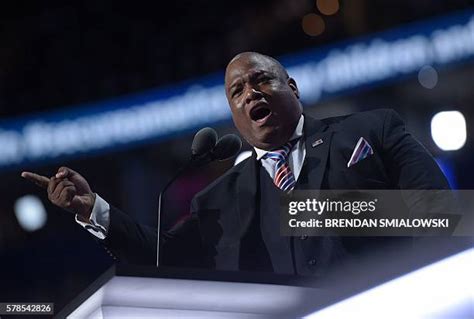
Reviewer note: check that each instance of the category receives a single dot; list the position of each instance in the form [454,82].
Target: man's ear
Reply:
[292,83]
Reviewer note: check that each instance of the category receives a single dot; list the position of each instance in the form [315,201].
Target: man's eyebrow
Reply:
[252,75]
[258,73]
[234,83]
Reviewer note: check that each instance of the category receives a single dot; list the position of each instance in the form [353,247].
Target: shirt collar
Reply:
[296,134]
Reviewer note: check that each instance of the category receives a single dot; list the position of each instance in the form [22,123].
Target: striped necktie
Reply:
[284,178]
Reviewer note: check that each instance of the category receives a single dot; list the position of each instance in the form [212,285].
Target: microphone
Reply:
[204,149]
[227,146]
[203,142]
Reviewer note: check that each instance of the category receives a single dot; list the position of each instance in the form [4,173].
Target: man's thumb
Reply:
[64,172]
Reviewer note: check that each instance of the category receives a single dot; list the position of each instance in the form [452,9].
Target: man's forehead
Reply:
[249,64]
[248,61]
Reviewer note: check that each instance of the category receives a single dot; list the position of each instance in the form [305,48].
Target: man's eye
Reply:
[236,92]
[263,79]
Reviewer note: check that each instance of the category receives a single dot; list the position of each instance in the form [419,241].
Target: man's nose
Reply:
[252,94]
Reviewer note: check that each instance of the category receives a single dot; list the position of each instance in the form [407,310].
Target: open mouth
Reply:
[260,113]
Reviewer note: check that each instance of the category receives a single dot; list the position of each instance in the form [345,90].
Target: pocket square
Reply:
[361,151]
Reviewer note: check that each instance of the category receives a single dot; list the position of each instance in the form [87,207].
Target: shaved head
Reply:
[280,69]
[263,99]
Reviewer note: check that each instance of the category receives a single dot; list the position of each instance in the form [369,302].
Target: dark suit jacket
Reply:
[222,212]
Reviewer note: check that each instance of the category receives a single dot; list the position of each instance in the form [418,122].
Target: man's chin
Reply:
[268,139]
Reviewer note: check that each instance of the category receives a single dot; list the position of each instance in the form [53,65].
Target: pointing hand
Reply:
[67,189]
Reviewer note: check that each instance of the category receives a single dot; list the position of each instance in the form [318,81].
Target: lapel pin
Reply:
[317,142]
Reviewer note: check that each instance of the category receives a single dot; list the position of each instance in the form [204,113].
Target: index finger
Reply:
[41,181]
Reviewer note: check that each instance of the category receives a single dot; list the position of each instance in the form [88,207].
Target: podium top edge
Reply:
[128,270]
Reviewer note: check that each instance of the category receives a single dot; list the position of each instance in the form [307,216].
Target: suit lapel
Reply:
[317,143]
[247,184]
[316,161]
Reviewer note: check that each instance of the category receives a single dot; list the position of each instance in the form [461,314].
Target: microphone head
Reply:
[204,141]
[227,146]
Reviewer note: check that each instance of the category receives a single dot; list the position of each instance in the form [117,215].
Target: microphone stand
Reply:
[194,161]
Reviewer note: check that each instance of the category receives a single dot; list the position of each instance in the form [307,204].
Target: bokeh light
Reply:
[448,130]
[313,25]
[327,7]
[30,213]
[428,77]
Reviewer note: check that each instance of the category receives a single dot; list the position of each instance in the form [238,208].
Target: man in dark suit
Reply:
[234,222]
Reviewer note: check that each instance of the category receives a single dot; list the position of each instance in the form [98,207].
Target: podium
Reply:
[148,292]
[399,282]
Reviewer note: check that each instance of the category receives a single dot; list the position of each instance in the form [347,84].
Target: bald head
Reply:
[263,99]
[256,57]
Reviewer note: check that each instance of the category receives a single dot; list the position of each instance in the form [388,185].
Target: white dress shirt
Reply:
[99,220]
[296,157]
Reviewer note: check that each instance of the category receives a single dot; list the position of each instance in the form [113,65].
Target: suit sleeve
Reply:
[409,165]
[412,168]
[134,243]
